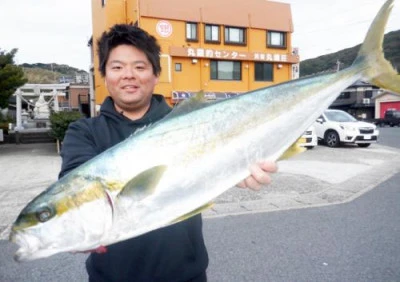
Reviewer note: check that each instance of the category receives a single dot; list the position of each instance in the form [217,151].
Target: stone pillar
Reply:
[56,107]
[18,126]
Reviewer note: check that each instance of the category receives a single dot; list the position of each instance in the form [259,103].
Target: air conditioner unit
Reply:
[366,101]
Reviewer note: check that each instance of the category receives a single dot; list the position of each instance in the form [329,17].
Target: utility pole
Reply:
[337,65]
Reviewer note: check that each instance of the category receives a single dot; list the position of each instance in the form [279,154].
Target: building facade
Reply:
[223,47]
[366,101]
[358,100]
[77,97]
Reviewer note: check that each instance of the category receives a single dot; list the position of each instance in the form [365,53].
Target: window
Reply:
[191,31]
[103,2]
[263,72]
[368,94]
[212,33]
[344,95]
[226,70]
[235,35]
[276,39]
[178,67]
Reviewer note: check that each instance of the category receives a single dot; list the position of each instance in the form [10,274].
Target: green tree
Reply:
[11,76]
[60,122]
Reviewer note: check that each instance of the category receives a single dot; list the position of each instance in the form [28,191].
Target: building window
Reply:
[226,70]
[235,35]
[344,96]
[263,72]
[103,3]
[191,32]
[276,39]
[212,33]
[178,67]
[368,94]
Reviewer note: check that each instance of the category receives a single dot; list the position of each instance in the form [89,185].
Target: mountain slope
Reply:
[48,73]
[346,57]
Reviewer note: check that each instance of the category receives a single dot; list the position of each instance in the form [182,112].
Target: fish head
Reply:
[72,215]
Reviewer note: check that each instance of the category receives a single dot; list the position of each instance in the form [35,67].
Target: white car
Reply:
[335,127]
[310,138]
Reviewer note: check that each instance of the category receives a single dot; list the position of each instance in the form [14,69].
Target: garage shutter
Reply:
[389,105]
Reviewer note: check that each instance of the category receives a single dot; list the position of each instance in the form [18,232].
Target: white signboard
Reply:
[164,28]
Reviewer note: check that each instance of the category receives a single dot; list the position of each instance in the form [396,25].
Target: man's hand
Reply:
[98,250]
[260,175]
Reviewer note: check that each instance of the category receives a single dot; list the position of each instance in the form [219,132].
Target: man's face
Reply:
[130,80]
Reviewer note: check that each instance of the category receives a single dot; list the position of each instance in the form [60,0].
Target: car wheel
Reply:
[364,145]
[332,139]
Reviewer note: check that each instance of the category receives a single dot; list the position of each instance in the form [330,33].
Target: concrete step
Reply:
[29,137]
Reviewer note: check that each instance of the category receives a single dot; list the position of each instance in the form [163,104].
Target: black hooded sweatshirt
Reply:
[170,254]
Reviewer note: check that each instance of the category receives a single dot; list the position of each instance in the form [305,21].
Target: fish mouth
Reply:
[22,255]
[28,246]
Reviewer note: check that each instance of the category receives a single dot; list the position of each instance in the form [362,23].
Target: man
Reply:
[130,64]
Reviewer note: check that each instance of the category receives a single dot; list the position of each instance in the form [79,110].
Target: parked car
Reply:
[335,127]
[391,118]
[310,138]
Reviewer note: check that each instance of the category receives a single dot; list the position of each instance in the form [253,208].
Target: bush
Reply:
[59,123]
[4,121]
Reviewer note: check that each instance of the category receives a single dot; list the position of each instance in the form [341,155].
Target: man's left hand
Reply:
[260,175]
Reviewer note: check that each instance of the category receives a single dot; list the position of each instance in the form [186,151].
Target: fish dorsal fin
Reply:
[143,184]
[294,149]
[193,213]
[197,101]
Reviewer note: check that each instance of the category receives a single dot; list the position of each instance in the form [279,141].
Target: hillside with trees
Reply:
[391,48]
[48,73]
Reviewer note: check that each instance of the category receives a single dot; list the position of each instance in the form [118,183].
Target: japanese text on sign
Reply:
[235,55]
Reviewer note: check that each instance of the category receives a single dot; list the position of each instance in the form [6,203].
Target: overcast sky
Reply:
[46,31]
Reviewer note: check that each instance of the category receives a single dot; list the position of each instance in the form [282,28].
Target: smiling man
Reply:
[130,64]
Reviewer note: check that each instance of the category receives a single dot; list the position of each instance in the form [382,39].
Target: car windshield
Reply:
[339,116]
[396,114]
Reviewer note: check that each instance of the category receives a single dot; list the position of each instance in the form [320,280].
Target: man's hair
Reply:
[125,34]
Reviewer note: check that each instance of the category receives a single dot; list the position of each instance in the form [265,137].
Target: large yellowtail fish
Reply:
[172,169]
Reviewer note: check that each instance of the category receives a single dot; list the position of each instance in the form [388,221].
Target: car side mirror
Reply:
[320,120]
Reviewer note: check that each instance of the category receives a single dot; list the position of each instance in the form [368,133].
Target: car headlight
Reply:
[347,127]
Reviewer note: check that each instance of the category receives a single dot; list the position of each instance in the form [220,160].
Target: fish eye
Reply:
[44,215]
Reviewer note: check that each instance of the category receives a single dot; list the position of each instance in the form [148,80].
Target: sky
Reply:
[57,31]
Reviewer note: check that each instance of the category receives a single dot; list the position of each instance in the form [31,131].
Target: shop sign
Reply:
[164,28]
[232,55]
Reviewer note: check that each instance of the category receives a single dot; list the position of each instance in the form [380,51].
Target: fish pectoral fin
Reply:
[193,213]
[143,184]
[294,149]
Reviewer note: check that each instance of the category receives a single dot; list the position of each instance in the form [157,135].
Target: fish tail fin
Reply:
[378,70]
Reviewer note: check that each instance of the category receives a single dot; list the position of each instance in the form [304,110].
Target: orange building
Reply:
[223,47]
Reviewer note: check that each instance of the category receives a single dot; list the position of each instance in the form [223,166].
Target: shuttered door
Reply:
[389,105]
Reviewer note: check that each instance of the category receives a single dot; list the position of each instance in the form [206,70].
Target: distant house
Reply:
[358,100]
[76,98]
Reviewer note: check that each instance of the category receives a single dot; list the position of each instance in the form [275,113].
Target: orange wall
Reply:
[194,76]
[102,19]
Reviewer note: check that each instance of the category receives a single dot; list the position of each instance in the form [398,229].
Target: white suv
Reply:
[335,127]
[310,138]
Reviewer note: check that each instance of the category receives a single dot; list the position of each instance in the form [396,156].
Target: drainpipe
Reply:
[91,93]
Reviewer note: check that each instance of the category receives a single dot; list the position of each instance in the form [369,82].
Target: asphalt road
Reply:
[355,241]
